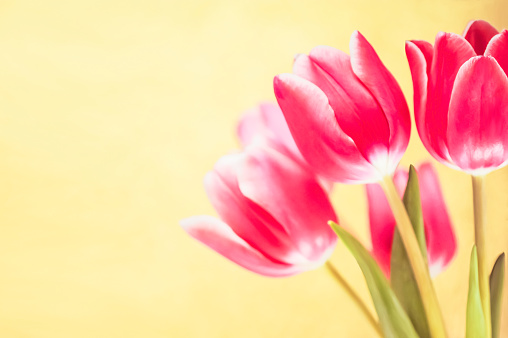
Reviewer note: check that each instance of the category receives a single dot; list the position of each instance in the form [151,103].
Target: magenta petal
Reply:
[498,48]
[218,236]
[419,55]
[478,121]
[266,120]
[356,111]
[382,226]
[441,242]
[247,219]
[383,86]
[317,134]
[292,195]
[450,53]
[478,33]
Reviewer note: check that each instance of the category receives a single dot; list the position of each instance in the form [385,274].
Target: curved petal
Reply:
[292,195]
[265,124]
[218,236]
[247,219]
[356,111]
[441,242]
[382,226]
[317,134]
[266,120]
[478,33]
[419,56]
[478,121]
[450,53]
[498,48]
[383,86]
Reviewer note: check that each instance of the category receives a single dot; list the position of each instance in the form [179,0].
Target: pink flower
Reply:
[441,243]
[265,124]
[273,214]
[347,115]
[461,97]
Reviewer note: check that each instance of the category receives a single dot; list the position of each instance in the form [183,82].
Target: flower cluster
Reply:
[343,118]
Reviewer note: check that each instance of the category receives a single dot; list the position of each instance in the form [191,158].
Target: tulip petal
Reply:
[441,242]
[218,236]
[498,48]
[382,222]
[440,238]
[317,134]
[382,226]
[356,111]
[292,195]
[450,53]
[265,120]
[419,55]
[478,120]
[247,219]
[383,86]
[478,33]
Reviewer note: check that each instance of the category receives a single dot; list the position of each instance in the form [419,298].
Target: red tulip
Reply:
[441,243]
[347,114]
[461,97]
[273,214]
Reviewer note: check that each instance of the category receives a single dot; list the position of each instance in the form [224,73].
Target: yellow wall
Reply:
[111,112]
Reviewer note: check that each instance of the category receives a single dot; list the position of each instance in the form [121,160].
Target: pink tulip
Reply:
[347,114]
[273,214]
[265,124]
[441,243]
[461,97]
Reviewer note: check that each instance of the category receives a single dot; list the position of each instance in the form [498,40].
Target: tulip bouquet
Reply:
[343,118]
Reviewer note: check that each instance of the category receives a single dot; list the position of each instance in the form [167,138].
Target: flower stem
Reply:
[354,296]
[429,299]
[479,236]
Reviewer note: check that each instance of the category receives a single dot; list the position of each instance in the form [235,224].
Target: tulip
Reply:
[273,214]
[440,238]
[347,114]
[349,118]
[461,97]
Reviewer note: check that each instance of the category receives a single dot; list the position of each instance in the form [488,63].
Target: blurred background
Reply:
[111,112]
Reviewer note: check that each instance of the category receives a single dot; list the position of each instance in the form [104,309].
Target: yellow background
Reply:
[111,112]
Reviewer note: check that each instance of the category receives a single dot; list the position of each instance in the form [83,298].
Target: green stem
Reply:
[480,239]
[429,299]
[354,296]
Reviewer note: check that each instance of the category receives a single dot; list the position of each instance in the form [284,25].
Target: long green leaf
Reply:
[475,321]
[394,321]
[401,274]
[496,294]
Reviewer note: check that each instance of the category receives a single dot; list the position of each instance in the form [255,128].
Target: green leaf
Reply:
[496,294]
[401,274]
[394,321]
[475,321]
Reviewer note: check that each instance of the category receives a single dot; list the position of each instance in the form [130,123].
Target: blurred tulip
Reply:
[461,97]
[347,114]
[265,123]
[440,238]
[273,214]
